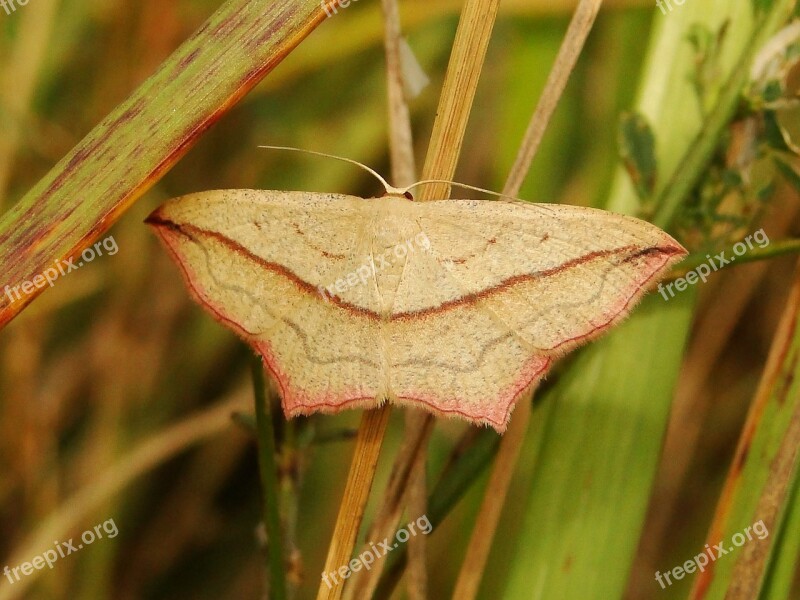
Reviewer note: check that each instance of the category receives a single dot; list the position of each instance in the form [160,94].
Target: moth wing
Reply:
[504,289]
[256,260]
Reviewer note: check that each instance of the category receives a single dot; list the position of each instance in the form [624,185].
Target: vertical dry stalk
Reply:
[401,147]
[480,543]
[404,173]
[417,506]
[458,92]
[419,426]
[578,31]
[466,60]
[373,424]
[356,492]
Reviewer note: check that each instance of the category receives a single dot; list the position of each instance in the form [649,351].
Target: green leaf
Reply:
[599,450]
[637,149]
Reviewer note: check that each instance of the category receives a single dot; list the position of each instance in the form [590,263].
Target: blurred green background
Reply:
[116,356]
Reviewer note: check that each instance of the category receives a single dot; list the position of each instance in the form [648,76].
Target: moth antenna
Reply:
[461,185]
[389,188]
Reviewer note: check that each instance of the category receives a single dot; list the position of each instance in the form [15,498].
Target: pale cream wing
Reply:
[255,260]
[469,364]
[504,288]
[556,274]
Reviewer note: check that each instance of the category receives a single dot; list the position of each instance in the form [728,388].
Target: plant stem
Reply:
[418,429]
[461,81]
[568,53]
[268,470]
[774,250]
[483,534]
[356,491]
[465,468]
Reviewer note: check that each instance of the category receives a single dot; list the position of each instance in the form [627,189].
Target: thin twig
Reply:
[467,462]
[401,146]
[458,92]
[362,472]
[268,470]
[402,161]
[418,428]
[568,54]
[417,506]
[480,542]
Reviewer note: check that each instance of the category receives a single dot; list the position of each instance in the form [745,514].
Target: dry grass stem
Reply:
[151,453]
[458,92]
[356,491]
[419,426]
[373,424]
[480,542]
[469,50]
[401,146]
[417,506]
[578,31]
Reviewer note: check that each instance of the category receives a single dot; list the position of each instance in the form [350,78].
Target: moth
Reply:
[456,306]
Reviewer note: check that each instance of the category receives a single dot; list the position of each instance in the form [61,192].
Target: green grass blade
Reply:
[142,138]
[786,553]
[597,461]
[751,518]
